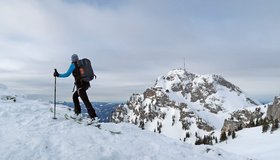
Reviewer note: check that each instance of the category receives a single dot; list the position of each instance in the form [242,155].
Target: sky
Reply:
[131,43]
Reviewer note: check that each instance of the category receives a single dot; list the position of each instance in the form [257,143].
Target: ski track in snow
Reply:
[28,132]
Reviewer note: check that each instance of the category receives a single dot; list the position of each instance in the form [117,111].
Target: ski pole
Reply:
[54,102]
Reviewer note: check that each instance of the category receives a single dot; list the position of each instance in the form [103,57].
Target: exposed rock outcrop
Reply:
[242,118]
[273,111]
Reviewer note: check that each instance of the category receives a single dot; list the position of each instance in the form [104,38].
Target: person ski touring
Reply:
[82,84]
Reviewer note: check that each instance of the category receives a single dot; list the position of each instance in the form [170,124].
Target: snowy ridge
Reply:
[28,132]
[183,103]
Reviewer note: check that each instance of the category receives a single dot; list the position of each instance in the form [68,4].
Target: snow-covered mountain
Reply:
[184,105]
[28,132]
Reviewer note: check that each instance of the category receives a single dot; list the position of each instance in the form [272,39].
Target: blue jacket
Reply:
[69,71]
[78,83]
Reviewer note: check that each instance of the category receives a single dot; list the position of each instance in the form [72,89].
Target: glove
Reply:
[55,74]
[94,76]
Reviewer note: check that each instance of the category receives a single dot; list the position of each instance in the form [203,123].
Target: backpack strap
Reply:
[78,78]
[74,87]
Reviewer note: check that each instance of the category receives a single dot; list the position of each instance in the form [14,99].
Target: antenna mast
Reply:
[184,63]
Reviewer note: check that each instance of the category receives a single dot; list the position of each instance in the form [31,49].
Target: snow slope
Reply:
[28,132]
[253,143]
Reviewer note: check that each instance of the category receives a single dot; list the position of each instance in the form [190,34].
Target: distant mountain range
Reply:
[103,110]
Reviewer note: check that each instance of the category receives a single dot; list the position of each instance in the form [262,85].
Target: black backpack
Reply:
[85,70]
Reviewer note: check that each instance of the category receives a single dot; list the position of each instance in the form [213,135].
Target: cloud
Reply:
[130,43]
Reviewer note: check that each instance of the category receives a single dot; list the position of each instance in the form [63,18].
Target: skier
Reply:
[81,88]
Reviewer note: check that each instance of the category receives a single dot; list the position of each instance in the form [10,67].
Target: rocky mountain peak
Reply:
[184,105]
[208,90]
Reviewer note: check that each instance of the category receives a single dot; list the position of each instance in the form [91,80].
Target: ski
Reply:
[97,125]
[100,127]
[115,132]
[75,120]
[66,117]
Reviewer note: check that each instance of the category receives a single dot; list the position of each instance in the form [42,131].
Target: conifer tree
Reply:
[276,123]
[252,123]
[229,133]
[233,135]
[265,125]
[198,141]
[205,140]
[223,136]
[261,122]
[188,135]
[240,127]
[257,122]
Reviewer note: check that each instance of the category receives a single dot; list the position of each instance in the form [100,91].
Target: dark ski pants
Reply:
[81,92]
